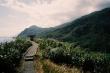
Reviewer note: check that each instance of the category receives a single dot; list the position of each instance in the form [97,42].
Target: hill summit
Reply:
[32,30]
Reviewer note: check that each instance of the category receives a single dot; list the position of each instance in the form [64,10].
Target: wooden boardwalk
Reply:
[28,63]
[31,50]
[28,67]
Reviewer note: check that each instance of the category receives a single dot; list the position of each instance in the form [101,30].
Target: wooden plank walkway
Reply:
[32,50]
[28,65]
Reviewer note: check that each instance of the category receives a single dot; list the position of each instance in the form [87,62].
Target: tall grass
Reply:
[47,66]
[50,67]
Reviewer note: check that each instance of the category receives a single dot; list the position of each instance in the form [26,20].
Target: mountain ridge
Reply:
[32,30]
[89,31]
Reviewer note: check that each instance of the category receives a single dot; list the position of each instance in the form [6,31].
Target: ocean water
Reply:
[6,39]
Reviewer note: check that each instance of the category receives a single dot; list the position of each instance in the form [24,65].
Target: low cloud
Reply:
[46,13]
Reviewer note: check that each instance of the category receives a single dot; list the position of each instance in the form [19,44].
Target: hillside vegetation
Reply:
[11,54]
[72,55]
[90,31]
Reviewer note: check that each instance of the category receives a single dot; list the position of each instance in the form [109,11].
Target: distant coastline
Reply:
[6,39]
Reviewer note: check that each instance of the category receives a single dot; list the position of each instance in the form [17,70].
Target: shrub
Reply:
[72,54]
[11,53]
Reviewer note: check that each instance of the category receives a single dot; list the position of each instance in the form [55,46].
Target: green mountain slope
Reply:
[90,31]
[32,30]
[38,31]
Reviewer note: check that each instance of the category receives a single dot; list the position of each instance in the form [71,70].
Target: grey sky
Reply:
[16,15]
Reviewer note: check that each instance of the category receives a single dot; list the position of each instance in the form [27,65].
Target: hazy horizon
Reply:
[16,15]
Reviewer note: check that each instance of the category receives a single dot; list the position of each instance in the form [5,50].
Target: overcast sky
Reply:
[16,15]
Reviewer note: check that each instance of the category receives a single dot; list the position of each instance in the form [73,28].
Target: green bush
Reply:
[11,53]
[73,55]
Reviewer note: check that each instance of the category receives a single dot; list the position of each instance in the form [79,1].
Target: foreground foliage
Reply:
[47,66]
[50,67]
[11,53]
[74,55]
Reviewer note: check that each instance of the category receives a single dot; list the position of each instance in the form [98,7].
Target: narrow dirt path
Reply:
[28,59]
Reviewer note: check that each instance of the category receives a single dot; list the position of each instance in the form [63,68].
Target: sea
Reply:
[6,39]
